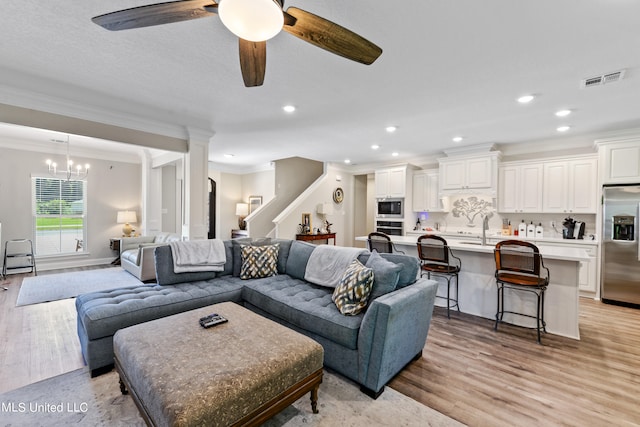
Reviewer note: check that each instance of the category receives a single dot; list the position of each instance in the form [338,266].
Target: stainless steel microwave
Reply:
[390,208]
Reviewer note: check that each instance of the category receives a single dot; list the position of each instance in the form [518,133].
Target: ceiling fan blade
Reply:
[253,62]
[156,14]
[330,36]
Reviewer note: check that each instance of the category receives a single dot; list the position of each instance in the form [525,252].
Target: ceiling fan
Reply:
[254,22]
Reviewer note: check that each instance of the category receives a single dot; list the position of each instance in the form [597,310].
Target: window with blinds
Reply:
[59,215]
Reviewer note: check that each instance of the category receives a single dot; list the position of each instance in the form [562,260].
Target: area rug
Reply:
[75,398]
[53,287]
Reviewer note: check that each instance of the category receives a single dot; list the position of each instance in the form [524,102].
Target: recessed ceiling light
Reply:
[457,139]
[563,128]
[563,113]
[347,161]
[395,154]
[228,156]
[525,99]
[375,146]
[391,129]
[289,108]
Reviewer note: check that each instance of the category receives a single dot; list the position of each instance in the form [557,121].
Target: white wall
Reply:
[322,192]
[229,190]
[258,184]
[169,205]
[111,186]
[236,188]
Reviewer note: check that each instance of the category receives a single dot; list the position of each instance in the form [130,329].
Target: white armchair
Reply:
[137,254]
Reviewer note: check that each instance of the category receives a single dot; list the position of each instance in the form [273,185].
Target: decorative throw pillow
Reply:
[352,293]
[259,261]
[386,274]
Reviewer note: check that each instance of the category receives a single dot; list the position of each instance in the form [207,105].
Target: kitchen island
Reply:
[478,292]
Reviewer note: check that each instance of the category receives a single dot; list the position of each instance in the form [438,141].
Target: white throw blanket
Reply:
[198,255]
[327,264]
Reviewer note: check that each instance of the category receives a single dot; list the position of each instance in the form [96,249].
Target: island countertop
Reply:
[474,244]
[478,294]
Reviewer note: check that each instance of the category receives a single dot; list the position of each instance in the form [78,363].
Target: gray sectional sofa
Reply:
[369,348]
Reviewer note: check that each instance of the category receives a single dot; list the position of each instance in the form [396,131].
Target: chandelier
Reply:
[77,172]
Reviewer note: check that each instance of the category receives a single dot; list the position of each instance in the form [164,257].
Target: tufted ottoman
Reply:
[238,373]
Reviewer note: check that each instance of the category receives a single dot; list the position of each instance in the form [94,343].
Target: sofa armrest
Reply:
[127,243]
[393,331]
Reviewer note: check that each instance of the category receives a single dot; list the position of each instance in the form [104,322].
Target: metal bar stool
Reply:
[519,266]
[437,259]
[381,243]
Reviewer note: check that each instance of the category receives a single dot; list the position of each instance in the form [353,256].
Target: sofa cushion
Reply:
[303,305]
[410,266]
[164,269]
[166,237]
[298,257]
[130,255]
[259,261]
[103,313]
[352,293]
[385,275]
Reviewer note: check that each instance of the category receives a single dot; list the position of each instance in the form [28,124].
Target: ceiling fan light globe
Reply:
[252,20]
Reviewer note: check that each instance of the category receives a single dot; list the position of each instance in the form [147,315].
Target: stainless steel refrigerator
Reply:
[621,245]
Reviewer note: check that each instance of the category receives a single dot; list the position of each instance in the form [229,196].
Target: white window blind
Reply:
[59,215]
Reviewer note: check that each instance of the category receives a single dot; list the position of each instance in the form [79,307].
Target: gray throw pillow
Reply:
[385,275]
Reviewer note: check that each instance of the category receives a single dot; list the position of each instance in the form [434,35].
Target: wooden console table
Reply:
[319,236]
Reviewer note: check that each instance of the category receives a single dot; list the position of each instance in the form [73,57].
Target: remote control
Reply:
[212,320]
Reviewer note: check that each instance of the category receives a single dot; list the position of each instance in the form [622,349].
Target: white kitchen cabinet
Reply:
[391,182]
[425,192]
[466,174]
[520,188]
[620,160]
[587,275]
[570,186]
[587,278]
[475,174]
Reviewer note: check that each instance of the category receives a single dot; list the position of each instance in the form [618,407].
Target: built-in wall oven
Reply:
[392,228]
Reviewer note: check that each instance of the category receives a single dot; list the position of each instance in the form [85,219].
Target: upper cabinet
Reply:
[570,186]
[520,187]
[425,192]
[391,182]
[469,173]
[620,160]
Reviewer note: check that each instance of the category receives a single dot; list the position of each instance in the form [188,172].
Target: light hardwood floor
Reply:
[504,378]
[468,371]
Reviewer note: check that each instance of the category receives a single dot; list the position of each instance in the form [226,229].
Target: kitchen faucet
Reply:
[485,227]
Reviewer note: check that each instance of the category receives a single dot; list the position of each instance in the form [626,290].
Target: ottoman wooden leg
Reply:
[123,387]
[314,398]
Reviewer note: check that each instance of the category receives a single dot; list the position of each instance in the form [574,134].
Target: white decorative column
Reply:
[195,199]
[151,221]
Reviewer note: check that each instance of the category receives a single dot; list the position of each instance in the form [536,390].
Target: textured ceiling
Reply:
[448,68]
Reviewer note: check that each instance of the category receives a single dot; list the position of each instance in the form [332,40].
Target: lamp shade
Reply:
[253,20]
[325,209]
[125,217]
[242,209]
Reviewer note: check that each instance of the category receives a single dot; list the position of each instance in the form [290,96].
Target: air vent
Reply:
[603,79]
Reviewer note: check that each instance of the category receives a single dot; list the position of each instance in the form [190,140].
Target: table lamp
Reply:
[126,217]
[242,210]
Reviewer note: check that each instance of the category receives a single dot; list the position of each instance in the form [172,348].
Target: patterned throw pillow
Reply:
[259,261]
[352,293]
